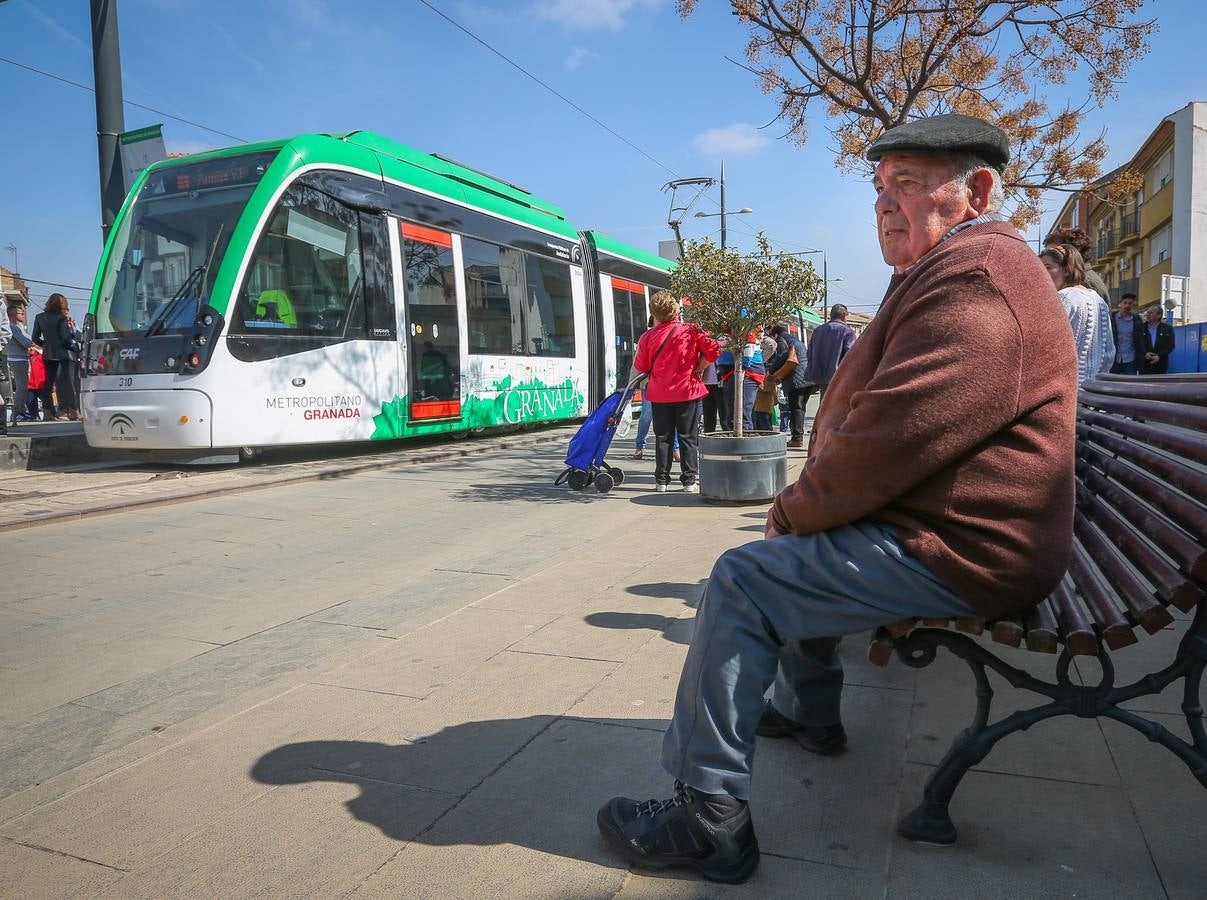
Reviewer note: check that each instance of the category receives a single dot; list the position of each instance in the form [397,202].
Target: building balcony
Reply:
[1129,228]
[1107,241]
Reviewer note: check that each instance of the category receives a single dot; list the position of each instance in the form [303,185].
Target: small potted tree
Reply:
[732,294]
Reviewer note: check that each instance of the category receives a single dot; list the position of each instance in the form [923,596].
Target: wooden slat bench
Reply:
[1139,547]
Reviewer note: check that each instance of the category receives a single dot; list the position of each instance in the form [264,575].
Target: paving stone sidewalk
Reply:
[422,682]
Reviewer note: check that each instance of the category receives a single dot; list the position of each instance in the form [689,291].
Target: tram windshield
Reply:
[170,243]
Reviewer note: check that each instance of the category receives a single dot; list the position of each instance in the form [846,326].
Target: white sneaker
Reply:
[693,488]
[660,488]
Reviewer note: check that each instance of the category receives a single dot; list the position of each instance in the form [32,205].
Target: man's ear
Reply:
[980,185]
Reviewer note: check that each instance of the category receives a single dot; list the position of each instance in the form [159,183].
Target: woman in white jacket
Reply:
[1087,312]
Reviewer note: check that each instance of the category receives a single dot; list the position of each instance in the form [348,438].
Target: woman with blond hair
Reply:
[1088,315]
[673,355]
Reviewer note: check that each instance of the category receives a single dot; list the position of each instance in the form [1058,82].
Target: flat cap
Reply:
[946,134]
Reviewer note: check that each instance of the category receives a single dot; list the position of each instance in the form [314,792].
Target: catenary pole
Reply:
[110,117]
[722,204]
[825,289]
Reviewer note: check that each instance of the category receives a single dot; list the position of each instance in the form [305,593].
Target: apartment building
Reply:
[1160,229]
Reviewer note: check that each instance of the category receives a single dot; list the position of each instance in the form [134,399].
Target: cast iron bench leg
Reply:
[931,822]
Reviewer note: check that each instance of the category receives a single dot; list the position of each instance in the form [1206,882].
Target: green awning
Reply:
[811,317]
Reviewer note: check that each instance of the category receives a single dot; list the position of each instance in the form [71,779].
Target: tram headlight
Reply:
[170,362]
[200,340]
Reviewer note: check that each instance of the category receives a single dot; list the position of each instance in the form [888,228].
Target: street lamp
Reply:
[825,283]
[724,212]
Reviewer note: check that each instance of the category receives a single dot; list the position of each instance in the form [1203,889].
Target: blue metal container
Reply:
[1189,354]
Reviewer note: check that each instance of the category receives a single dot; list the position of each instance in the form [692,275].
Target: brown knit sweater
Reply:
[952,421]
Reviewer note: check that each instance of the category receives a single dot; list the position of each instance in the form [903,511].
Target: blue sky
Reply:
[261,69]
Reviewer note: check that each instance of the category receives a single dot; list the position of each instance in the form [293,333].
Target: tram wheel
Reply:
[248,454]
[578,480]
[604,482]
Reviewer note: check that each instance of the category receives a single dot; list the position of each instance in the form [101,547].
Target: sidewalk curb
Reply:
[438,454]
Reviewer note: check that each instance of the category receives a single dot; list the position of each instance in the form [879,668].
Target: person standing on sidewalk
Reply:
[6,378]
[53,335]
[1088,316]
[1158,342]
[18,360]
[674,355]
[797,387]
[1129,339]
[911,502]
[828,345]
[646,419]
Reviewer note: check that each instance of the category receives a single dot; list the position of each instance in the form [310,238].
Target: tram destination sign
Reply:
[228,171]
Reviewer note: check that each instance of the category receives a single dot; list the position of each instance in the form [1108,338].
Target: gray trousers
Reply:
[20,370]
[773,611]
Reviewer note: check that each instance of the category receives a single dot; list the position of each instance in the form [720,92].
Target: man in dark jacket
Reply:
[1158,343]
[797,386]
[910,504]
[827,346]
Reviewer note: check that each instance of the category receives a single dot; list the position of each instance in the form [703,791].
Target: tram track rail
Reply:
[35,507]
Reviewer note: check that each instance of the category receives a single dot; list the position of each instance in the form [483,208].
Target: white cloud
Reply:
[740,137]
[578,57]
[586,14]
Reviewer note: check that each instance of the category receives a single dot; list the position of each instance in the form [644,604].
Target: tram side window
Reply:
[495,282]
[306,276]
[550,308]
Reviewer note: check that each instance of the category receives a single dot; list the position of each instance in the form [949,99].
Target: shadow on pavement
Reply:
[487,804]
[688,592]
[525,490]
[676,630]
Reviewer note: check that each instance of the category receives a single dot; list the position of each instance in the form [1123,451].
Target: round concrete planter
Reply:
[746,469]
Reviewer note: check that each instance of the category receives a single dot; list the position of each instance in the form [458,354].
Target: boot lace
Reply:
[653,808]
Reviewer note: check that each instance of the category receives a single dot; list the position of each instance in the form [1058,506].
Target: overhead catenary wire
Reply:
[92,90]
[468,32]
[511,62]
[70,287]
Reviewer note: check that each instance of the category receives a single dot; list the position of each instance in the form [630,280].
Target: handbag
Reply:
[789,365]
[765,400]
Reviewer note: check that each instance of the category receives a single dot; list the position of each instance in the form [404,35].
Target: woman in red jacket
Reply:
[673,355]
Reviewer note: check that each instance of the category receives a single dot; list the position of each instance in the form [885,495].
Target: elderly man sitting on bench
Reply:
[939,483]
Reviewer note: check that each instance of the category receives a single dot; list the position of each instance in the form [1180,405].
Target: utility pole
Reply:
[825,289]
[110,117]
[722,204]
[724,212]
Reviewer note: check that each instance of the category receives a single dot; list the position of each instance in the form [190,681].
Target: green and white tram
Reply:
[344,288]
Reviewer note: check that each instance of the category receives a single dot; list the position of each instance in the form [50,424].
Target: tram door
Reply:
[628,306]
[433,324]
